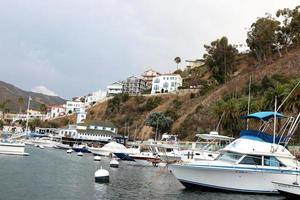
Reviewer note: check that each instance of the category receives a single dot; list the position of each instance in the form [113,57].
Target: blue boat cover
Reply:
[260,136]
[124,156]
[265,116]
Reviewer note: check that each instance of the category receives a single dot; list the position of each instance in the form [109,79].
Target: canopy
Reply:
[266,115]
[261,136]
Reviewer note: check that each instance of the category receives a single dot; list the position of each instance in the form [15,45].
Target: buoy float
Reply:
[97,158]
[114,163]
[69,150]
[80,154]
[102,176]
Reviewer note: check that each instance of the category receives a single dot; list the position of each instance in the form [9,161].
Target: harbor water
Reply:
[52,174]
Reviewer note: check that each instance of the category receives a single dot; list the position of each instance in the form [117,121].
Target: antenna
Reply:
[249,99]
[274,129]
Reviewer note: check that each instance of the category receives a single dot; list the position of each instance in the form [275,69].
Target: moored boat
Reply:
[291,191]
[249,164]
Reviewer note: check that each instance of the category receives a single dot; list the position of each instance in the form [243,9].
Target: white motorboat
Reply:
[45,141]
[112,147]
[248,164]
[209,150]
[291,191]
[62,146]
[79,154]
[12,148]
[70,151]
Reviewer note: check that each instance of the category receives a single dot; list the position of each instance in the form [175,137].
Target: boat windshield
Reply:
[230,157]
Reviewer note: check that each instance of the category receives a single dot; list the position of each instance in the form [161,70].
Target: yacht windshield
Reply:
[230,157]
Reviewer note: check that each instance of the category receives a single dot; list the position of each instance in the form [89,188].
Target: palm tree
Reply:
[177,61]
[4,106]
[43,108]
[21,103]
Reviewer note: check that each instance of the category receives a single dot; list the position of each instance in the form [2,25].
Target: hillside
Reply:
[191,113]
[12,93]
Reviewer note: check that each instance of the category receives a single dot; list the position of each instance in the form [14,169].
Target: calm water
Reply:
[52,174]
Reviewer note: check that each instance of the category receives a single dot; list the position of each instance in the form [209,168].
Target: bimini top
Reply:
[265,116]
[261,136]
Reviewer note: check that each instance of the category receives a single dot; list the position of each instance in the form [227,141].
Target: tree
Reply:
[159,122]
[43,108]
[220,59]
[82,99]
[21,103]
[177,60]
[262,38]
[4,106]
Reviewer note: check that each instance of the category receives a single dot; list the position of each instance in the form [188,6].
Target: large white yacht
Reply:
[248,164]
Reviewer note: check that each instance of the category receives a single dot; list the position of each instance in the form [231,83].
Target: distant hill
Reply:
[12,93]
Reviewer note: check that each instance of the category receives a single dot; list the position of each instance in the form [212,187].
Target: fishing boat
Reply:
[250,163]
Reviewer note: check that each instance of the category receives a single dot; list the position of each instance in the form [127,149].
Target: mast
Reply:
[27,115]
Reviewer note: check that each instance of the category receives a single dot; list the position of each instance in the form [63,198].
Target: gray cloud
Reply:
[78,46]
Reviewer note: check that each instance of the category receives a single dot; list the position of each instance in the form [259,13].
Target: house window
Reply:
[156,80]
[172,84]
[156,87]
[166,84]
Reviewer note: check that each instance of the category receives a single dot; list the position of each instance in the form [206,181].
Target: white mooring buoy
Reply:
[114,163]
[69,150]
[80,154]
[97,158]
[102,176]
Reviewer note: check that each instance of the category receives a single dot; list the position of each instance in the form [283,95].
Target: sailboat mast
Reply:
[27,115]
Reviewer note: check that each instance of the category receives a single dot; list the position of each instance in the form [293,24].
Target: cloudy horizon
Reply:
[75,47]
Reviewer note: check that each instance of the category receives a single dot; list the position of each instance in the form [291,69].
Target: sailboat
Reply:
[10,146]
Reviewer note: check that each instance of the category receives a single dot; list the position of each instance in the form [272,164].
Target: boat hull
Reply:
[12,148]
[291,191]
[230,178]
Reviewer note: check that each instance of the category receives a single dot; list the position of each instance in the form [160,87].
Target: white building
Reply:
[115,88]
[149,75]
[74,106]
[194,63]
[81,116]
[166,83]
[57,111]
[95,97]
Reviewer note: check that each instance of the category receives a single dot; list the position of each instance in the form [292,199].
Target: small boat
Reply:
[79,154]
[97,158]
[12,148]
[112,147]
[45,141]
[291,191]
[41,146]
[62,146]
[69,150]
[80,148]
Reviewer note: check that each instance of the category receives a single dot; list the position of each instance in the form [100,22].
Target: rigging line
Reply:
[288,96]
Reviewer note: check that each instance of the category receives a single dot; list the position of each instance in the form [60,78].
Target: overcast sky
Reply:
[74,47]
